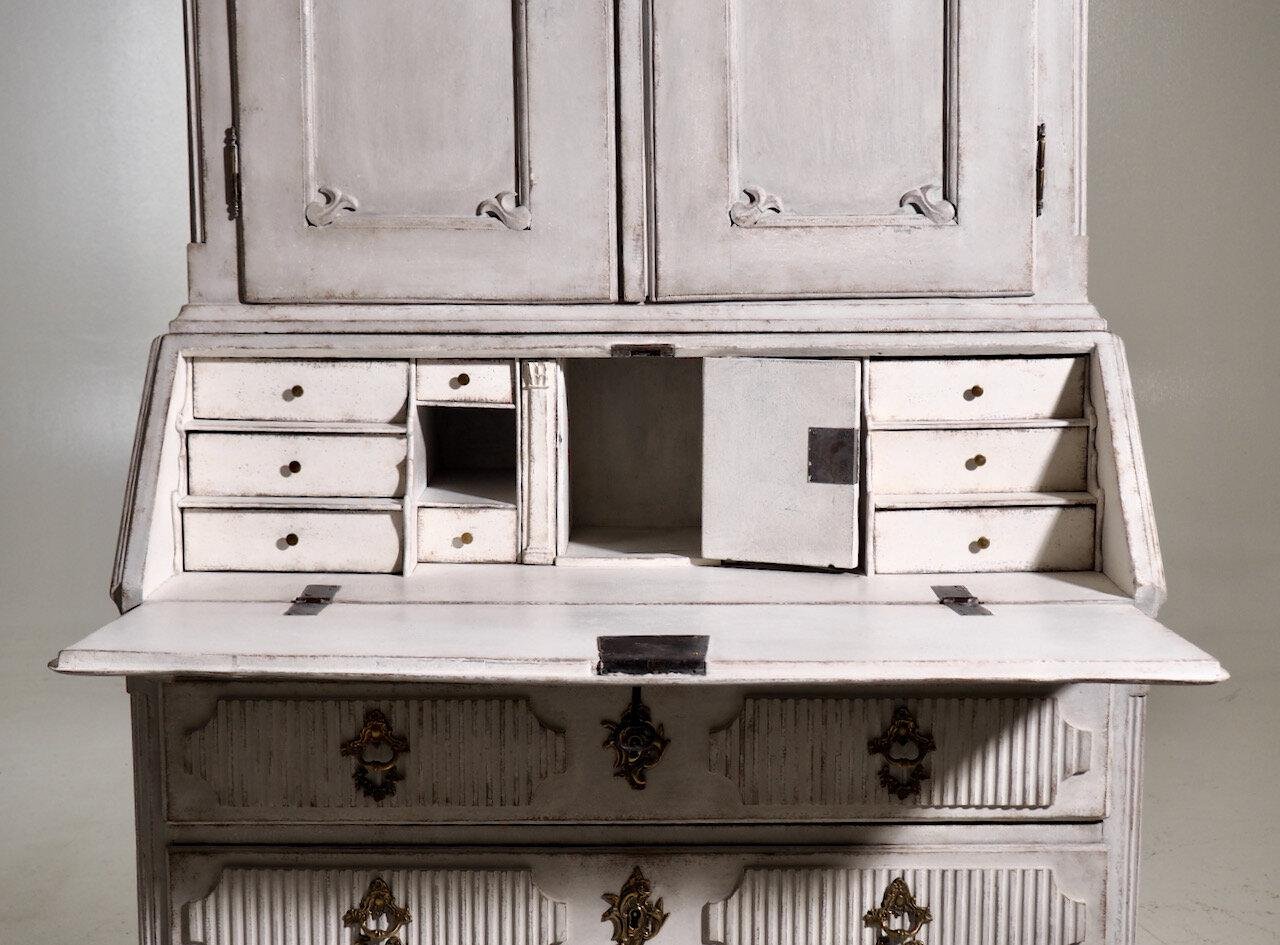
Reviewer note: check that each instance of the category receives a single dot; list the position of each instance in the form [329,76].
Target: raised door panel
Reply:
[843,148]
[780,461]
[388,150]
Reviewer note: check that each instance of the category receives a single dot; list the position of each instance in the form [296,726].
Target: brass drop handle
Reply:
[376,749]
[377,918]
[635,919]
[904,747]
[898,906]
[974,392]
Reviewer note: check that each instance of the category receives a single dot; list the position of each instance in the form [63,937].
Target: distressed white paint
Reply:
[1011,389]
[465,382]
[942,461]
[253,464]
[923,541]
[239,540]
[467,534]
[236,389]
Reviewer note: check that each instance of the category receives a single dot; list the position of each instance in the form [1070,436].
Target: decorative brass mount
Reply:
[898,903]
[635,919]
[376,750]
[904,748]
[377,907]
[637,743]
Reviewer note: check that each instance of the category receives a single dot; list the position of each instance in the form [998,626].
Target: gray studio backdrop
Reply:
[1186,265]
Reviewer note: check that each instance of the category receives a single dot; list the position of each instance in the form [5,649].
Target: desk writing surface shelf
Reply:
[737,532]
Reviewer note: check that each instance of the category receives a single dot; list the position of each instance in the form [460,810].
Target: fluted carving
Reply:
[259,753]
[306,907]
[990,753]
[826,906]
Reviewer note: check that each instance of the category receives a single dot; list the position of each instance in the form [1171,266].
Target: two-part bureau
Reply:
[638,472]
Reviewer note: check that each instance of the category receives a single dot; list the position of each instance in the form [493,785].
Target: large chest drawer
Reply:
[367,754]
[958,896]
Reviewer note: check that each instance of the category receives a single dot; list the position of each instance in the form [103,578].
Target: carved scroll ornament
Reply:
[759,202]
[325,211]
[904,747]
[929,202]
[506,207]
[635,919]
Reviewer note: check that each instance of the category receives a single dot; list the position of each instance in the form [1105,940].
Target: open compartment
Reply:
[634,464]
[468,456]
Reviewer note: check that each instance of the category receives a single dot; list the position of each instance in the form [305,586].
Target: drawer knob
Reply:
[904,747]
[974,392]
[975,462]
[294,392]
[636,742]
[294,466]
[981,543]
[378,918]
[290,539]
[899,918]
[462,380]
[635,919]
[463,540]
[376,749]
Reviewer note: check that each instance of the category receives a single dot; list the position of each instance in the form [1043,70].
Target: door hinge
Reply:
[958,598]
[1040,151]
[313,599]
[231,172]
[642,351]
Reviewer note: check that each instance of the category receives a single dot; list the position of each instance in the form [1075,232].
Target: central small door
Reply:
[843,148]
[780,461]
[418,150]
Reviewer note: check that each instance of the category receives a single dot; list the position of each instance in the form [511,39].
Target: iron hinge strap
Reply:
[959,599]
[313,599]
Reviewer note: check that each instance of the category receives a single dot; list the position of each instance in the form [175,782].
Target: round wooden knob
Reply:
[295,466]
[979,460]
[983,543]
[463,380]
[466,538]
[296,390]
[291,539]
[974,392]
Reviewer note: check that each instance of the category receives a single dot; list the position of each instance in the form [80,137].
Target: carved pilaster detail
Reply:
[759,202]
[325,211]
[508,209]
[537,374]
[929,202]
[778,906]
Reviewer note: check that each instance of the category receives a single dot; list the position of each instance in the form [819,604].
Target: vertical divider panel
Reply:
[536,472]
[561,459]
[414,468]
[868,506]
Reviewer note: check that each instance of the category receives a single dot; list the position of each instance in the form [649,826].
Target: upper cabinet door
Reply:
[421,150]
[843,148]
[780,465]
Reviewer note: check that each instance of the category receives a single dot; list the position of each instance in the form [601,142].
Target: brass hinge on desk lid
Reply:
[1041,136]
[958,598]
[313,599]
[231,172]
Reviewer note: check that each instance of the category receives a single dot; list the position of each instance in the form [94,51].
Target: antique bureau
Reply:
[721,371]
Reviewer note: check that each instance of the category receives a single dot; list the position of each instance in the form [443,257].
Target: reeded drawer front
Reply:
[299,389]
[263,464]
[287,540]
[360,754]
[465,382]
[951,461]
[940,541]
[967,389]
[467,534]
[948,896]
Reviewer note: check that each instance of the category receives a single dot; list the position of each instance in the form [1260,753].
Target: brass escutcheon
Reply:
[635,919]
[898,903]
[904,748]
[376,750]
[378,907]
[637,743]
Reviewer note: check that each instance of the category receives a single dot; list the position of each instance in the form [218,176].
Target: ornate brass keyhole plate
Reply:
[904,748]
[635,919]
[376,750]
[637,743]
[899,905]
[377,919]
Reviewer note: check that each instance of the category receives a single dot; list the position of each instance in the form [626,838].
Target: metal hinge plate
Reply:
[231,172]
[642,351]
[313,599]
[958,598]
[833,455]
[659,654]
[1041,137]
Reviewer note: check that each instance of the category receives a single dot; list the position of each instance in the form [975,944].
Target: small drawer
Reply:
[948,461]
[984,539]
[466,382]
[299,389]
[267,464]
[285,540]
[976,389]
[467,534]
